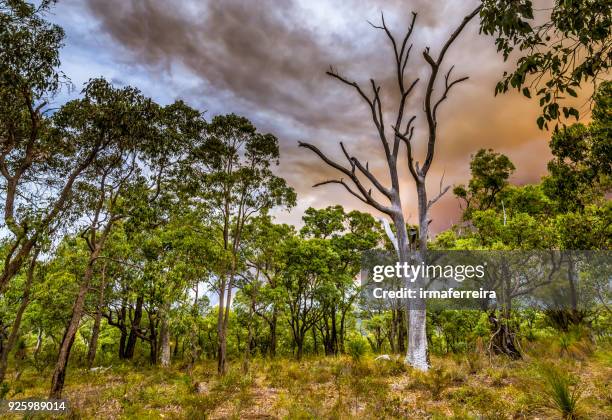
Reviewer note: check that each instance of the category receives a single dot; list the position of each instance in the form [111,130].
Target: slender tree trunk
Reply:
[13,266]
[342,332]
[247,347]
[175,351]
[122,345]
[38,345]
[59,374]
[95,331]
[221,332]
[299,342]
[134,327]
[121,318]
[503,339]
[402,321]
[164,357]
[25,301]
[575,316]
[57,382]
[334,333]
[392,330]
[152,340]
[273,333]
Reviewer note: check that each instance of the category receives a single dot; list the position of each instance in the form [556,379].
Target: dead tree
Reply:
[357,177]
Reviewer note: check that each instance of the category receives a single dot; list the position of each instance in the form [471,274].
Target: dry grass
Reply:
[338,388]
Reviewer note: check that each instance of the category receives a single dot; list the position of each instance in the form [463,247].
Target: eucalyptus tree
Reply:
[178,258]
[233,163]
[24,299]
[157,227]
[124,300]
[264,245]
[307,284]
[580,172]
[490,172]
[107,285]
[122,120]
[38,170]
[356,177]
[349,234]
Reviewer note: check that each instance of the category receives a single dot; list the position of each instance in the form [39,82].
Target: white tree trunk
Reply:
[417,315]
[164,357]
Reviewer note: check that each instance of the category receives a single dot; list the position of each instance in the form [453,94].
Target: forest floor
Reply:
[459,386]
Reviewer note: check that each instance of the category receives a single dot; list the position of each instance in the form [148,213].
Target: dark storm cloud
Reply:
[257,51]
[266,60]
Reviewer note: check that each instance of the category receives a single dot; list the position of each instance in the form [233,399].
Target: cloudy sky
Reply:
[267,59]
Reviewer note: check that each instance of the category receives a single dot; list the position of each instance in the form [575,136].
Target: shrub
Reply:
[561,391]
[436,380]
[474,362]
[575,343]
[498,376]
[4,390]
[357,347]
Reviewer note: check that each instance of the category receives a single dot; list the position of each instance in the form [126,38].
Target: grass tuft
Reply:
[561,390]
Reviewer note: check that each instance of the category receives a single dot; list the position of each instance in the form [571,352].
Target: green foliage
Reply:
[561,389]
[357,347]
[188,206]
[581,168]
[490,172]
[570,47]
[29,51]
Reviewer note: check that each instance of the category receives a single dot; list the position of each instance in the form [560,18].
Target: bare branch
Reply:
[374,104]
[447,88]
[333,73]
[366,196]
[435,65]
[440,193]
[344,184]
[406,137]
[404,58]
[365,170]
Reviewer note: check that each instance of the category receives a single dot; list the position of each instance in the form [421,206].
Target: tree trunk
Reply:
[122,345]
[417,316]
[11,269]
[247,347]
[342,332]
[25,301]
[164,357]
[152,340]
[299,342]
[273,339]
[221,331]
[175,352]
[503,338]
[134,327]
[334,333]
[59,374]
[95,331]
[57,382]
[401,330]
